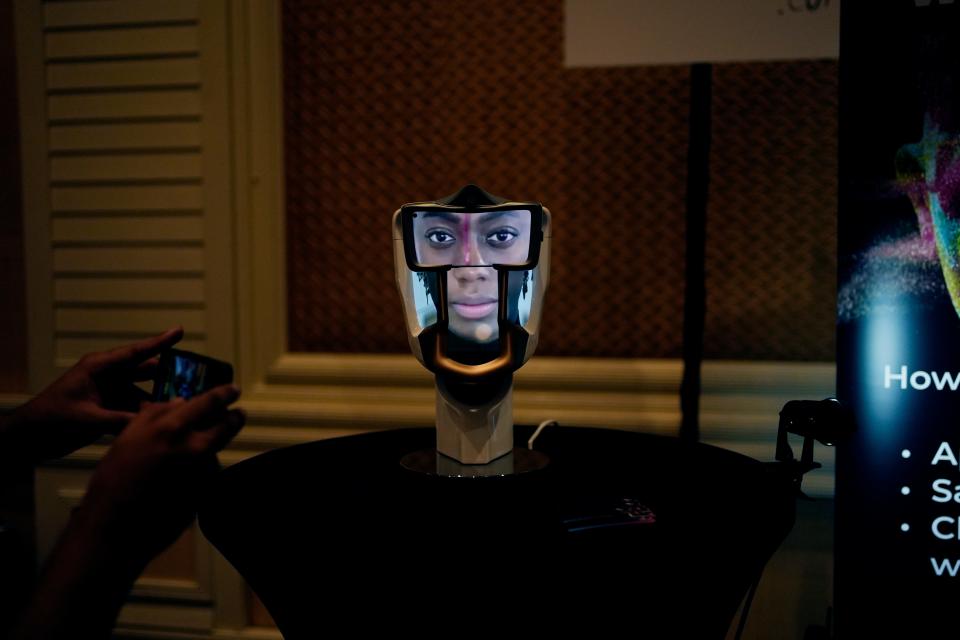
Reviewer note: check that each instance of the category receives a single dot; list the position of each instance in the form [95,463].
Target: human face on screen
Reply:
[472,242]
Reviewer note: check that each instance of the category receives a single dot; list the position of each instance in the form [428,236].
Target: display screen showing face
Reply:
[473,300]
[468,247]
[472,239]
[473,303]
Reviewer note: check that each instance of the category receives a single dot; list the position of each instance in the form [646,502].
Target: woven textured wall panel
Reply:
[390,102]
[771,230]
[620,233]
[387,103]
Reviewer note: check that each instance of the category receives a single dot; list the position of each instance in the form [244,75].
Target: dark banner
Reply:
[898,348]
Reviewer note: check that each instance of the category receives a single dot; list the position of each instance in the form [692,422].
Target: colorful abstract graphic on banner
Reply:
[898,347]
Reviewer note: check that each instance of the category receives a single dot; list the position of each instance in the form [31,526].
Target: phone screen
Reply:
[184,375]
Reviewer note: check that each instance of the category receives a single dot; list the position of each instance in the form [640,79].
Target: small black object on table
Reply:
[620,532]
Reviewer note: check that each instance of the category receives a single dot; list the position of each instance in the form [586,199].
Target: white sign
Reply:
[600,33]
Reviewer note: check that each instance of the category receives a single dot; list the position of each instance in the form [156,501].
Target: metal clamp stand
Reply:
[823,420]
[826,421]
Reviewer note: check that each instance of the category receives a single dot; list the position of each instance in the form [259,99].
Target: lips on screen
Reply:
[469,317]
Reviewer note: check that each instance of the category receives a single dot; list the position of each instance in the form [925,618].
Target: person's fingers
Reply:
[148,412]
[111,421]
[133,354]
[207,405]
[146,370]
[148,408]
[133,399]
[140,395]
[127,398]
[219,435]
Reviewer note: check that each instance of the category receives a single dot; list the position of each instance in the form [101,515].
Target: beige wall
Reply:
[626,32]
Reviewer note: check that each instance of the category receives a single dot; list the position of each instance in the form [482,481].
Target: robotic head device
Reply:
[472,270]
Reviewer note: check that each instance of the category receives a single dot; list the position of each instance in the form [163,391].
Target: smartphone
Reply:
[183,374]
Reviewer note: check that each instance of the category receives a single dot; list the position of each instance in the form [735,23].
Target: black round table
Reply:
[620,532]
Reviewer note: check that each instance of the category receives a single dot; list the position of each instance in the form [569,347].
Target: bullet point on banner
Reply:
[905,490]
[904,527]
[905,453]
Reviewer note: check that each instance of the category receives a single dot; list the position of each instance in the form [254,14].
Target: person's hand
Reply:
[146,489]
[143,494]
[94,397]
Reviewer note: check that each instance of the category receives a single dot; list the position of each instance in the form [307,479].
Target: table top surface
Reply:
[319,520]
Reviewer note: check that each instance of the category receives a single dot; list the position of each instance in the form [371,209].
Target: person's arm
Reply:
[142,496]
[85,582]
[94,397]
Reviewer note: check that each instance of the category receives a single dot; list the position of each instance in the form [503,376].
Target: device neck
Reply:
[475,420]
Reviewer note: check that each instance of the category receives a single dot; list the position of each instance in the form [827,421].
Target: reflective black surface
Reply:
[621,532]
